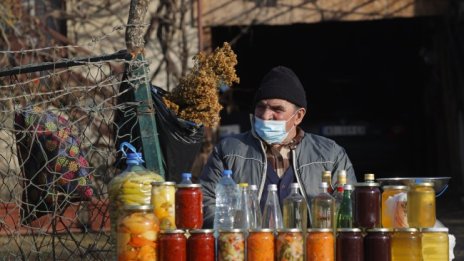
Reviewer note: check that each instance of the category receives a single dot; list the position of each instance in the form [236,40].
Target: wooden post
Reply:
[138,77]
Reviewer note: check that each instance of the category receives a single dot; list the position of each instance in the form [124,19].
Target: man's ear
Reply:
[300,114]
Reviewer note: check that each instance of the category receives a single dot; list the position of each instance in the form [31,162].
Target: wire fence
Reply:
[58,152]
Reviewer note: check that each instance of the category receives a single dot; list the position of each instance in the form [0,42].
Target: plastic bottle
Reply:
[226,200]
[272,216]
[243,216]
[256,214]
[323,207]
[345,213]
[186,178]
[295,210]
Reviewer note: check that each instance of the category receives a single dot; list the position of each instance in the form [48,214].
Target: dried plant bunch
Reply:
[196,97]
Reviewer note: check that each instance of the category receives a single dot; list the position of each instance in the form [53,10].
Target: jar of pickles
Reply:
[435,243]
[394,206]
[406,244]
[367,205]
[289,244]
[189,206]
[421,205]
[377,244]
[172,245]
[163,201]
[137,233]
[260,244]
[201,245]
[320,244]
[350,244]
[231,245]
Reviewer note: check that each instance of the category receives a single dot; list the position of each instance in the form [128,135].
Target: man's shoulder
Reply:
[320,142]
[235,139]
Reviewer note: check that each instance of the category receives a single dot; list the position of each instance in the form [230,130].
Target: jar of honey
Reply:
[406,244]
[421,205]
[260,244]
[435,243]
[395,206]
[320,244]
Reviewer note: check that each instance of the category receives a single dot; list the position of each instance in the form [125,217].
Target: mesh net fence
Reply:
[58,153]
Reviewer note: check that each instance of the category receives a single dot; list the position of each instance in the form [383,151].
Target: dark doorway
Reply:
[365,83]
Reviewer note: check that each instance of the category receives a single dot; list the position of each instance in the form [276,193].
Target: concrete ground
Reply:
[450,211]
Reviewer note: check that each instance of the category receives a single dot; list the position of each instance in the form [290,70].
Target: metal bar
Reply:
[123,54]
[138,77]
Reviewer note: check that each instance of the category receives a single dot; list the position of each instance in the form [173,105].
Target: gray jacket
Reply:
[244,154]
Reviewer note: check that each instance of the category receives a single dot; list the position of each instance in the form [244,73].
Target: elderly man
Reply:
[276,150]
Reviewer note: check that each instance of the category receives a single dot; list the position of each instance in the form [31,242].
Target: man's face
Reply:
[278,109]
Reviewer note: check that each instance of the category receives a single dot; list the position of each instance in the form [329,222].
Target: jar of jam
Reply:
[320,244]
[377,244]
[260,244]
[350,244]
[406,244]
[421,205]
[137,233]
[201,245]
[367,205]
[189,206]
[289,244]
[172,245]
[231,245]
[435,243]
[163,201]
[394,206]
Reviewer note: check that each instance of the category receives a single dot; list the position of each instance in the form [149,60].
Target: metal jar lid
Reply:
[201,231]
[406,229]
[348,230]
[382,230]
[289,230]
[163,183]
[399,187]
[422,184]
[324,230]
[367,184]
[138,207]
[264,230]
[188,186]
[172,231]
[232,230]
[435,229]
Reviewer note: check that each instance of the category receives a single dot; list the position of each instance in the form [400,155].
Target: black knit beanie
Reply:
[281,83]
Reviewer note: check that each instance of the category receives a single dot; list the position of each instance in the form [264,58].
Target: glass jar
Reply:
[201,245]
[406,244]
[394,206]
[377,244]
[421,205]
[231,245]
[435,243]
[137,233]
[172,245]
[320,244]
[260,244]
[189,206]
[289,244]
[367,205]
[163,201]
[350,244]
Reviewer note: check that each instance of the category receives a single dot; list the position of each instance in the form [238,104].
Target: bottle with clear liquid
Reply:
[272,216]
[345,213]
[323,209]
[186,178]
[256,216]
[243,213]
[295,210]
[226,201]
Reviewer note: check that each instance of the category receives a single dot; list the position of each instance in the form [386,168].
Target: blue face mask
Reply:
[271,131]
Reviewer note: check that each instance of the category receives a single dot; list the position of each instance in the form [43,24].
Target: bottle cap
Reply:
[324,185]
[369,177]
[186,175]
[253,187]
[326,173]
[227,172]
[134,157]
[272,187]
[294,185]
[243,185]
[341,176]
[348,187]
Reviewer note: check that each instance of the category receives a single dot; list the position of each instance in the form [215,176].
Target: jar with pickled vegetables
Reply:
[131,187]
[231,244]
[172,245]
[201,245]
[289,244]
[394,206]
[137,233]
[260,244]
[421,205]
[189,206]
[163,201]
[320,244]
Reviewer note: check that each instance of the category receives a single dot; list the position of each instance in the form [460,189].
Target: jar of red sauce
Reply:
[172,245]
[189,206]
[350,245]
[320,244]
[200,245]
[260,244]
